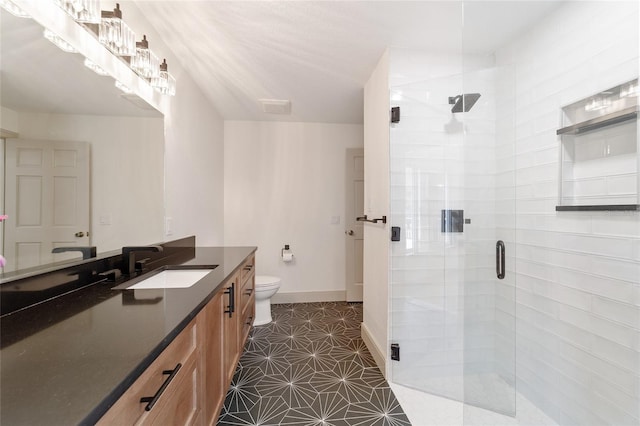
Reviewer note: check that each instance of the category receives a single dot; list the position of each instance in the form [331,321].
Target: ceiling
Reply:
[319,54]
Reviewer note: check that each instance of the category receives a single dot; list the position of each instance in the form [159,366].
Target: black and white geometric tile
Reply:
[310,367]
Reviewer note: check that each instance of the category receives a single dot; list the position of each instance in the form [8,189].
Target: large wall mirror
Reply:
[82,163]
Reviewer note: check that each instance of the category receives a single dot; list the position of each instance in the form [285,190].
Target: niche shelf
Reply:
[599,159]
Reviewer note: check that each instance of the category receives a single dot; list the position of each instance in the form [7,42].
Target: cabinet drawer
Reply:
[128,409]
[248,269]
[178,405]
[247,319]
[247,298]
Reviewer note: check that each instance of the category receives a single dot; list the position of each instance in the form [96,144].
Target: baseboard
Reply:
[378,355]
[309,296]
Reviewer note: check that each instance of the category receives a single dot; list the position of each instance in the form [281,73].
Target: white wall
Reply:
[283,184]
[376,204]
[8,119]
[194,143]
[127,167]
[578,273]
[194,166]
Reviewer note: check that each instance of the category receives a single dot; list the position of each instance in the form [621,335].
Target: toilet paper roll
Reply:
[287,257]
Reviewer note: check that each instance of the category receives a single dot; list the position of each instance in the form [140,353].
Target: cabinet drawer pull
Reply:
[151,400]
[248,267]
[232,300]
[248,292]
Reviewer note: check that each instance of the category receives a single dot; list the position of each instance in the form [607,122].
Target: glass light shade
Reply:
[164,83]
[145,63]
[59,41]
[94,67]
[117,36]
[87,11]
[13,9]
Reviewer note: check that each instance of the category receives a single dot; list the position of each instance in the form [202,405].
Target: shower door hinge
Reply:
[395,352]
[395,114]
[395,233]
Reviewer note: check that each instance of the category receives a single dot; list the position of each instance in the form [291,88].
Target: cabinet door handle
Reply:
[248,267]
[249,320]
[151,400]
[248,292]
[232,305]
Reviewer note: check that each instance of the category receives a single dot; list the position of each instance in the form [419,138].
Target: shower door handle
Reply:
[500,266]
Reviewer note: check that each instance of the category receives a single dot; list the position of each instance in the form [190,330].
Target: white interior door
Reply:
[354,232]
[47,200]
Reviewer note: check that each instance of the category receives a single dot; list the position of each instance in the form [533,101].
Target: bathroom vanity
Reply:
[147,355]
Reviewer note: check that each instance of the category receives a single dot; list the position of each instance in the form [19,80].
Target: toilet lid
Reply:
[267,281]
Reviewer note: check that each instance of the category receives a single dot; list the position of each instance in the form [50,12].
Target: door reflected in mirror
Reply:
[49,99]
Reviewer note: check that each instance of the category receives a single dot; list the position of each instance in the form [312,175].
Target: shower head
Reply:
[463,103]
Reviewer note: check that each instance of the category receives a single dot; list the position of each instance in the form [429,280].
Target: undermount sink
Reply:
[173,277]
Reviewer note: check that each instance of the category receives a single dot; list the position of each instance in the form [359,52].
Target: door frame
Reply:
[354,290]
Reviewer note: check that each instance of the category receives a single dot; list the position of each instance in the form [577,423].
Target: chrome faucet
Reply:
[87,252]
[128,257]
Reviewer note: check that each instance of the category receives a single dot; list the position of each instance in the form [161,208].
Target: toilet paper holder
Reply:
[285,249]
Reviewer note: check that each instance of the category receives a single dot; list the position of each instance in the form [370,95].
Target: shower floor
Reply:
[425,409]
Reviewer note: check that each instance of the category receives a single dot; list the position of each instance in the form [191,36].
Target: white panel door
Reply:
[47,200]
[354,232]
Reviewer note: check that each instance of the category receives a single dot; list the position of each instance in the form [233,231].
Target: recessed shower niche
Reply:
[599,151]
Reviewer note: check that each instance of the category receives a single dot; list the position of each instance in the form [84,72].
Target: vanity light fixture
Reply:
[115,34]
[59,41]
[164,82]
[145,63]
[13,9]
[94,67]
[85,11]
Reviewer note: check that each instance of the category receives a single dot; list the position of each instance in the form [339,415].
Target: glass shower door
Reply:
[427,318]
[452,195]
[486,265]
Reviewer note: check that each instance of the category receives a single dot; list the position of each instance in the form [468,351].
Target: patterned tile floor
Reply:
[310,367]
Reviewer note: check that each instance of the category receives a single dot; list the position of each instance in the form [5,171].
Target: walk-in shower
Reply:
[560,330]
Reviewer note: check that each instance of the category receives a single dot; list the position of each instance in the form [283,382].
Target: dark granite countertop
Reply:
[71,371]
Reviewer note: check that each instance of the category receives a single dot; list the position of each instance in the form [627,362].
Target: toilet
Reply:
[266,286]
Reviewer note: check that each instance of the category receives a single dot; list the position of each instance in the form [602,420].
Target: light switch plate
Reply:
[168,226]
[105,219]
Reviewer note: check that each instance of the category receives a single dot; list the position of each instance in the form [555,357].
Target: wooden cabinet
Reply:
[176,394]
[180,403]
[207,352]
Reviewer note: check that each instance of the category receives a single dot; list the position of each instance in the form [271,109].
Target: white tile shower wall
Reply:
[578,297]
